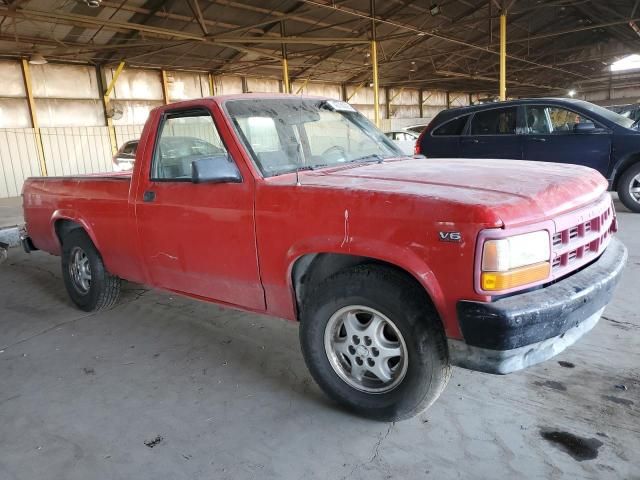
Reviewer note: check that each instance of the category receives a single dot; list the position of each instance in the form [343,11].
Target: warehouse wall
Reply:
[73,129]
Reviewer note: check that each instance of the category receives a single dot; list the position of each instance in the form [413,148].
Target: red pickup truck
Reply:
[396,267]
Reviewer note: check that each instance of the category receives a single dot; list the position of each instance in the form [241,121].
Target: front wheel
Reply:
[374,343]
[89,284]
[629,188]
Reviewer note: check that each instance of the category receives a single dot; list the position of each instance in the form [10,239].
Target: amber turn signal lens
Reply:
[494,281]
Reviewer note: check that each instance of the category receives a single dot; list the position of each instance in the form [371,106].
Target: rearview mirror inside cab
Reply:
[215,169]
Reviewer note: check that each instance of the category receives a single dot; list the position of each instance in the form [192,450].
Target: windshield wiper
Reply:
[312,167]
[375,157]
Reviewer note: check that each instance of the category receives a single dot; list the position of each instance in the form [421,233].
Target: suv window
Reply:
[497,121]
[183,139]
[563,120]
[552,120]
[453,127]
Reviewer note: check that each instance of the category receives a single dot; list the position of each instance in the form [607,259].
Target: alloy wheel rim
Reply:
[634,188]
[80,270]
[366,349]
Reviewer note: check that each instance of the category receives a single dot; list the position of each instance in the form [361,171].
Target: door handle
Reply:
[149,196]
[538,139]
[470,140]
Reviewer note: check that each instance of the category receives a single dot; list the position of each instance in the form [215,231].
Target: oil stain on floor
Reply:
[580,448]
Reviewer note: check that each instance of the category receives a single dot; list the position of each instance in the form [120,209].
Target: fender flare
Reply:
[75,217]
[400,257]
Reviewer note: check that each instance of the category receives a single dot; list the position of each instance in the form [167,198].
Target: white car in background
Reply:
[126,156]
[405,139]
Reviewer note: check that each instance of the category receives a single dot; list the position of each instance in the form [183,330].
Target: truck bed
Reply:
[104,198]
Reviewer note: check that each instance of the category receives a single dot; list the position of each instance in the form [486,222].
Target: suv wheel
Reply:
[629,188]
[374,343]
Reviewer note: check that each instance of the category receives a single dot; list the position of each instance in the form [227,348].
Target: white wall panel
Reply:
[11,82]
[134,112]
[331,90]
[434,97]
[458,99]
[185,85]
[136,84]
[263,85]
[64,81]
[69,113]
[226,85]
[404,111]
[18,160]
[14,113]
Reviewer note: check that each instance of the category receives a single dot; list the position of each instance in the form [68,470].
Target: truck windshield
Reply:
[289,134]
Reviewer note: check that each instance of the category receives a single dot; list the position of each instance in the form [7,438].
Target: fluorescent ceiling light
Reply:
[630,62]
[571,92]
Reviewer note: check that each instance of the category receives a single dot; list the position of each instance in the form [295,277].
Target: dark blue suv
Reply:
[543,129]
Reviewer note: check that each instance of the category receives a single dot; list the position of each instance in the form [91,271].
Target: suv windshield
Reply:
[288,134]
[608,114]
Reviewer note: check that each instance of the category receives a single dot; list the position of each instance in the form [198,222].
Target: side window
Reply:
[184,138]
[537,121]
[563,120]
[454,127]
[497,121]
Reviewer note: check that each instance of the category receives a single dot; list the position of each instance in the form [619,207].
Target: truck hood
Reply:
[515,191]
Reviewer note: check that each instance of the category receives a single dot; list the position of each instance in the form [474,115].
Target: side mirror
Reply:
[587,127]
[215,169]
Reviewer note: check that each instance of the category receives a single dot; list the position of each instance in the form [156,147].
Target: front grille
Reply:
[578,243]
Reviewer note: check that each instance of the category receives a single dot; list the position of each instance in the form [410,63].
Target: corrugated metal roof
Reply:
[552,45]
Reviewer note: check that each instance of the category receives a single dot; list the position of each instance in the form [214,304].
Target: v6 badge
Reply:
[450,236]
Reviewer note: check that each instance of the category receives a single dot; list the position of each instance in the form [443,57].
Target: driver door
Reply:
[197,239]
[551,137]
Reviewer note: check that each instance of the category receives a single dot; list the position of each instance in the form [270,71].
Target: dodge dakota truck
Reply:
[396,267]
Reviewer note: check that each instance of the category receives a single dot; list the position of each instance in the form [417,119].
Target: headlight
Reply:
[515,261]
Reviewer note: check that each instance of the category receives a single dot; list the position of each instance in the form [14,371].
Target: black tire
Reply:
[404,302]
[625,182]
[104,288]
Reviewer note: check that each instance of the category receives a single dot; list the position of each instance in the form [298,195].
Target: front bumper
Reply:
[521,330]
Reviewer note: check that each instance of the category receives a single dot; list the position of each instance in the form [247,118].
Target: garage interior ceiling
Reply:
[552,46]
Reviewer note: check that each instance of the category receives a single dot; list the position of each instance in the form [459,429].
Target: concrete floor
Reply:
[162,387]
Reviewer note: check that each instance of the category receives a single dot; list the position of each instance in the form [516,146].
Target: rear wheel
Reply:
[89,285]
[373,343]
[629,188]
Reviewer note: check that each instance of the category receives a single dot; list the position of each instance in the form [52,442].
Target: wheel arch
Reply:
[622,166]
[309,269]
[64,222]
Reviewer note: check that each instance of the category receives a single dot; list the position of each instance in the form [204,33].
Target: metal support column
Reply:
[388,99]
[285,63]
[376,99]
[212,84]
[374,64]
[503,55]
[105,102]
[26,75]
[421,100]
[165,87]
